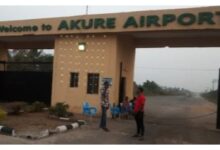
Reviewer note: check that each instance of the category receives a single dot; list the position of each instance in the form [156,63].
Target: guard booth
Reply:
[92,48]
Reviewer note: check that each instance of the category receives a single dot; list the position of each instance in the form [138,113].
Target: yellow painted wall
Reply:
[99,57]
[126,55]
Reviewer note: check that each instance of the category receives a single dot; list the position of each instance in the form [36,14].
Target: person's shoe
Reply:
[141,138]
[106,129]
[136,135]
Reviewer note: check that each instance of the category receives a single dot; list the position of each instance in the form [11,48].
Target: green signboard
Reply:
[184,19]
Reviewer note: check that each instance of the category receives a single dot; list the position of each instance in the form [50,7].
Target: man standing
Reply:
[104,105]
[139,113]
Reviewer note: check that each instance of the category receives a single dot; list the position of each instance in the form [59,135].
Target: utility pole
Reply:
[218,104]
[214,81]
[87,9]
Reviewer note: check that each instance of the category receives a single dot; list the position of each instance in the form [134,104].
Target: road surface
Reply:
[168,120]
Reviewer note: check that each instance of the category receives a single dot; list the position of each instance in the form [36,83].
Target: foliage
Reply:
[2,114]
[59,110]
[211,95]
[36,107]
[152,88]
[15,108]
[29,55]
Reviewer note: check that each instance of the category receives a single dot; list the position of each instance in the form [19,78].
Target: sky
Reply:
[189,68]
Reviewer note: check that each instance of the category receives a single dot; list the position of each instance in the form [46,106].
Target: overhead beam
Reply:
[177,42]
[30,45]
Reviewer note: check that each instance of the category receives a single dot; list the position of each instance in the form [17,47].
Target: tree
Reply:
[31,56]
[152,88]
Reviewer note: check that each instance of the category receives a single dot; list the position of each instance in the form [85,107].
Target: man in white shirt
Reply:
[104,105]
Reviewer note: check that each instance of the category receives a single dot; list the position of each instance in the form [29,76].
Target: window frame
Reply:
[74,79]
[93,80]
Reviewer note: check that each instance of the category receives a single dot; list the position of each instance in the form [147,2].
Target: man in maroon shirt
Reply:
[139,113]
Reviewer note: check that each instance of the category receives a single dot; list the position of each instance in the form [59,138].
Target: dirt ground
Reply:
[168,120]
[31,122]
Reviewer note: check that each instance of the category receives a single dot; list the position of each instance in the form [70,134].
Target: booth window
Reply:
[93,83]
[74,79]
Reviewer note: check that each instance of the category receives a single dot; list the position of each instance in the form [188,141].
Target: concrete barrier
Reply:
[71,126]
[7,130]
[45,133]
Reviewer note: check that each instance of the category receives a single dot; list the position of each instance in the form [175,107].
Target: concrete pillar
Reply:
[126,56]
[99,57]
[218,105]
[103,55]
[3,57]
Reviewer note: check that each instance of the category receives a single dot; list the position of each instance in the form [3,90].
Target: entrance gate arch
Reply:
[99,44]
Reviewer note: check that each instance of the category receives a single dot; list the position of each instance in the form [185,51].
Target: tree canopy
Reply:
[152,88]
[29,60]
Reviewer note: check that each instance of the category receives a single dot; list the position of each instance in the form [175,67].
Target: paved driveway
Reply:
[168,120]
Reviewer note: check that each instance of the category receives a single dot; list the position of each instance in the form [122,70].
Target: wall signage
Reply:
[184,19]
[109,80]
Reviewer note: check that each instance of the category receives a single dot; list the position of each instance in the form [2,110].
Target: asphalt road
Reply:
[168,120]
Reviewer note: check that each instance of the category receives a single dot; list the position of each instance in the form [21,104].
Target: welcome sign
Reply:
[184,19]
[111,23]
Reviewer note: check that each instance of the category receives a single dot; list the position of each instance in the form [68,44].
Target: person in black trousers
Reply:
[139,113]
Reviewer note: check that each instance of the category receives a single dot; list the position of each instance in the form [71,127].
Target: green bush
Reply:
[36,107]
[14,108]
[211,96]
[59,110]
[2,114]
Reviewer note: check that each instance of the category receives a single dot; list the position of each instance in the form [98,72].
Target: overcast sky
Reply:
[190,68]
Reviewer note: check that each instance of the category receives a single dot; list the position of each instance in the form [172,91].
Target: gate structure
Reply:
[91,48]
[27,86]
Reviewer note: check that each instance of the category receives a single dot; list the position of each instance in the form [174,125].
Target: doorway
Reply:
[122,92]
